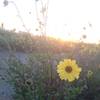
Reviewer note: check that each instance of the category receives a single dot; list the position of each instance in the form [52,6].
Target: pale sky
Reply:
[66,18]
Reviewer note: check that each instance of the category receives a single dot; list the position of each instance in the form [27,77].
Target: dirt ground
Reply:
[6,89]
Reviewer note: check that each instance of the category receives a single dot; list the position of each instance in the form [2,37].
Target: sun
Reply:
[64,37]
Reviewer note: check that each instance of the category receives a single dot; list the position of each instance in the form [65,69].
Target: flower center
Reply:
[68,69]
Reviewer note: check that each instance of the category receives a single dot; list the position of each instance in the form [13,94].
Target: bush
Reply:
[38,80]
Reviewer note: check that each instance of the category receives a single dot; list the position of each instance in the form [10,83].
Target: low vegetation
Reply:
[37,79]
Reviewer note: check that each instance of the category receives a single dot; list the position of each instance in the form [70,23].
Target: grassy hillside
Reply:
[87,54]
[38,78]
[26,42]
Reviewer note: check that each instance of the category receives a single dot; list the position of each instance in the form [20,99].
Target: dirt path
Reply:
[5,88]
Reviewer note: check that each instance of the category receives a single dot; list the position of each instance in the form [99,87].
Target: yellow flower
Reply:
[68,70]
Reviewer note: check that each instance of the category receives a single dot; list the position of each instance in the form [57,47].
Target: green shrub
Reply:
[38,79]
